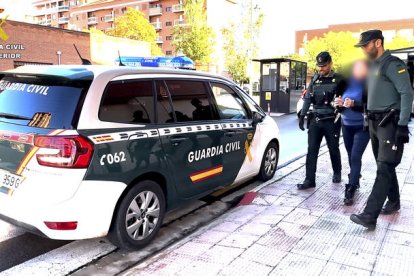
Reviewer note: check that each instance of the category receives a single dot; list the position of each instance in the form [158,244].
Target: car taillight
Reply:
[69,225]
[71,151]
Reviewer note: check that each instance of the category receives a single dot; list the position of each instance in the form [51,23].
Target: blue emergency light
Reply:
[178,62]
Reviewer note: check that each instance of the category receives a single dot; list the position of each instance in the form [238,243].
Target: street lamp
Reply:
[59,54]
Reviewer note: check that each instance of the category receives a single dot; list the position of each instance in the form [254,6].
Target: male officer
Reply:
[390,98]
[322,121]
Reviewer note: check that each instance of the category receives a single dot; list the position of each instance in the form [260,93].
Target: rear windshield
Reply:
[41,102]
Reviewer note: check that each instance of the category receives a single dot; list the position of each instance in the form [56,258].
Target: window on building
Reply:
[168,53]
[124,9]
[190,100]
[169,37]
[168,9]
[130,102]
[168,23]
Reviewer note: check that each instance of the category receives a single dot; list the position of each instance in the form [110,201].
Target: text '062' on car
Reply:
[93,151]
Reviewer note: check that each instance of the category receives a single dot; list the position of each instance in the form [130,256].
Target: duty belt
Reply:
[323,117]
[379,115]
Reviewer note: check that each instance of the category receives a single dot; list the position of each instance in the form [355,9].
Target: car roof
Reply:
[77,72]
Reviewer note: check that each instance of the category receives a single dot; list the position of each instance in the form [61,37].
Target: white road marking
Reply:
[63,260]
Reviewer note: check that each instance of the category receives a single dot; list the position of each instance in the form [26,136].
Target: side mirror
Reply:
[257,118]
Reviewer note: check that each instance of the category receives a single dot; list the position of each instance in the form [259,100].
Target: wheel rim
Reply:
[270,161]
[142,215]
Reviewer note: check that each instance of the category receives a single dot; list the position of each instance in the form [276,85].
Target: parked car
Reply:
[92,151]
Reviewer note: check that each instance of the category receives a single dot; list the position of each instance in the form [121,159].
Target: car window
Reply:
[229,105]
[190,100]
[164,109]
[41,102]
[250,102]
[128,101]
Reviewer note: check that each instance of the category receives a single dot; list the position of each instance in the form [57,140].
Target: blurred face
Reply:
[360,70]
[371,50]
[325,70]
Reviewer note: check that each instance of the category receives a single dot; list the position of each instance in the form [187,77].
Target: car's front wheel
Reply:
[269,162]
[138,217]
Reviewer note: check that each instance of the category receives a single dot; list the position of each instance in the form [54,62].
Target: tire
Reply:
[139,217]
[271,153]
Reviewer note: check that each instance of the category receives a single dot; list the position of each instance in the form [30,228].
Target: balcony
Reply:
[179,22]
[43,11]
[63,20]
[45,22]
[157,25]
[63,8]
[158,40]
[92,20]
[178,8]
[109,18]
[155,11]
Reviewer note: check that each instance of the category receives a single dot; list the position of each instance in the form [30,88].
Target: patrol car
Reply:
[93,151]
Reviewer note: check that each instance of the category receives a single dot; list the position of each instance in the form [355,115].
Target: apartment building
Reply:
[390,29]
[164,15]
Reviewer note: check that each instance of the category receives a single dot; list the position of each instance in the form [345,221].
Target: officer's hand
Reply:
[302,122]
[402,135]
[339,102]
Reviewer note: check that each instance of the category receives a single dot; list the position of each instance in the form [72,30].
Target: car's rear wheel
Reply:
[138,217]
[269,162]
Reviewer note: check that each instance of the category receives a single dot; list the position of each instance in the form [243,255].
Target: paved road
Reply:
[22,252]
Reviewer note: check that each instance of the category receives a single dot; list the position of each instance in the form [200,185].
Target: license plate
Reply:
[9,182]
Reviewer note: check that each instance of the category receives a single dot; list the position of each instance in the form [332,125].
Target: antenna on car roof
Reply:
[120,61]
[84,60]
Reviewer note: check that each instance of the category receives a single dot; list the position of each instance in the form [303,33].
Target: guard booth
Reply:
[282,81]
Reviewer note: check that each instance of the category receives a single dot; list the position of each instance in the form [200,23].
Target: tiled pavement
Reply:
[289,232]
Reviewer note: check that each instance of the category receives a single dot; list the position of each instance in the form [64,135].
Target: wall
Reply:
[41,44]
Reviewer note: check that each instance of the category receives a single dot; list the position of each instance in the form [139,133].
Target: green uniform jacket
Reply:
[390,88]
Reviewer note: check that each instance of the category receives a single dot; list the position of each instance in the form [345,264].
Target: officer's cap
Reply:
[367,36]
[323,59]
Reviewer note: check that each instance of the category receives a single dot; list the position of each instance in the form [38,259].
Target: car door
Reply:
[191,136]
[236,122]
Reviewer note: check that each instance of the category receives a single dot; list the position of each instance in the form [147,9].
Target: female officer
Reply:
[355,137]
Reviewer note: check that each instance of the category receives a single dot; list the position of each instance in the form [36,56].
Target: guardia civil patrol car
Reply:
[93,151]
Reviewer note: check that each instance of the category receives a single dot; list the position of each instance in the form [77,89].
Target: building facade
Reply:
[390,28]
[164,15]
[29,44]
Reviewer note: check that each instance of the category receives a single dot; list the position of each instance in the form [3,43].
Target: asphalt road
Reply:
[22,253]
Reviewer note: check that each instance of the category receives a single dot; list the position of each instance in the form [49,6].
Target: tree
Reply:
[236,58]
[239,55]
[341,47]
[194,38]
[134,25]
[399,42]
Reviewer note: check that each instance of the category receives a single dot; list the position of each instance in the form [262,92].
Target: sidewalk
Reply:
[289,232]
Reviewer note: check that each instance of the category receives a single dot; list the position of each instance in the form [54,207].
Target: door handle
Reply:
[230,133]
[175,141]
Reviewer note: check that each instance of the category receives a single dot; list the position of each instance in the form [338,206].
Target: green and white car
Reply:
[93,151]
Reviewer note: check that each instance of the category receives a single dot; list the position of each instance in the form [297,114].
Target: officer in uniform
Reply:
[390,98]
[323,120]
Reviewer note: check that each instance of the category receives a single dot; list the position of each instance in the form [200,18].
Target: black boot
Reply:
[307,184]
[349,194]
[336,178]
[365,220]
[391,207]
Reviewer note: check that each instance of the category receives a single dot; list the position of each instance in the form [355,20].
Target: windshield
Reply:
[40,101]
